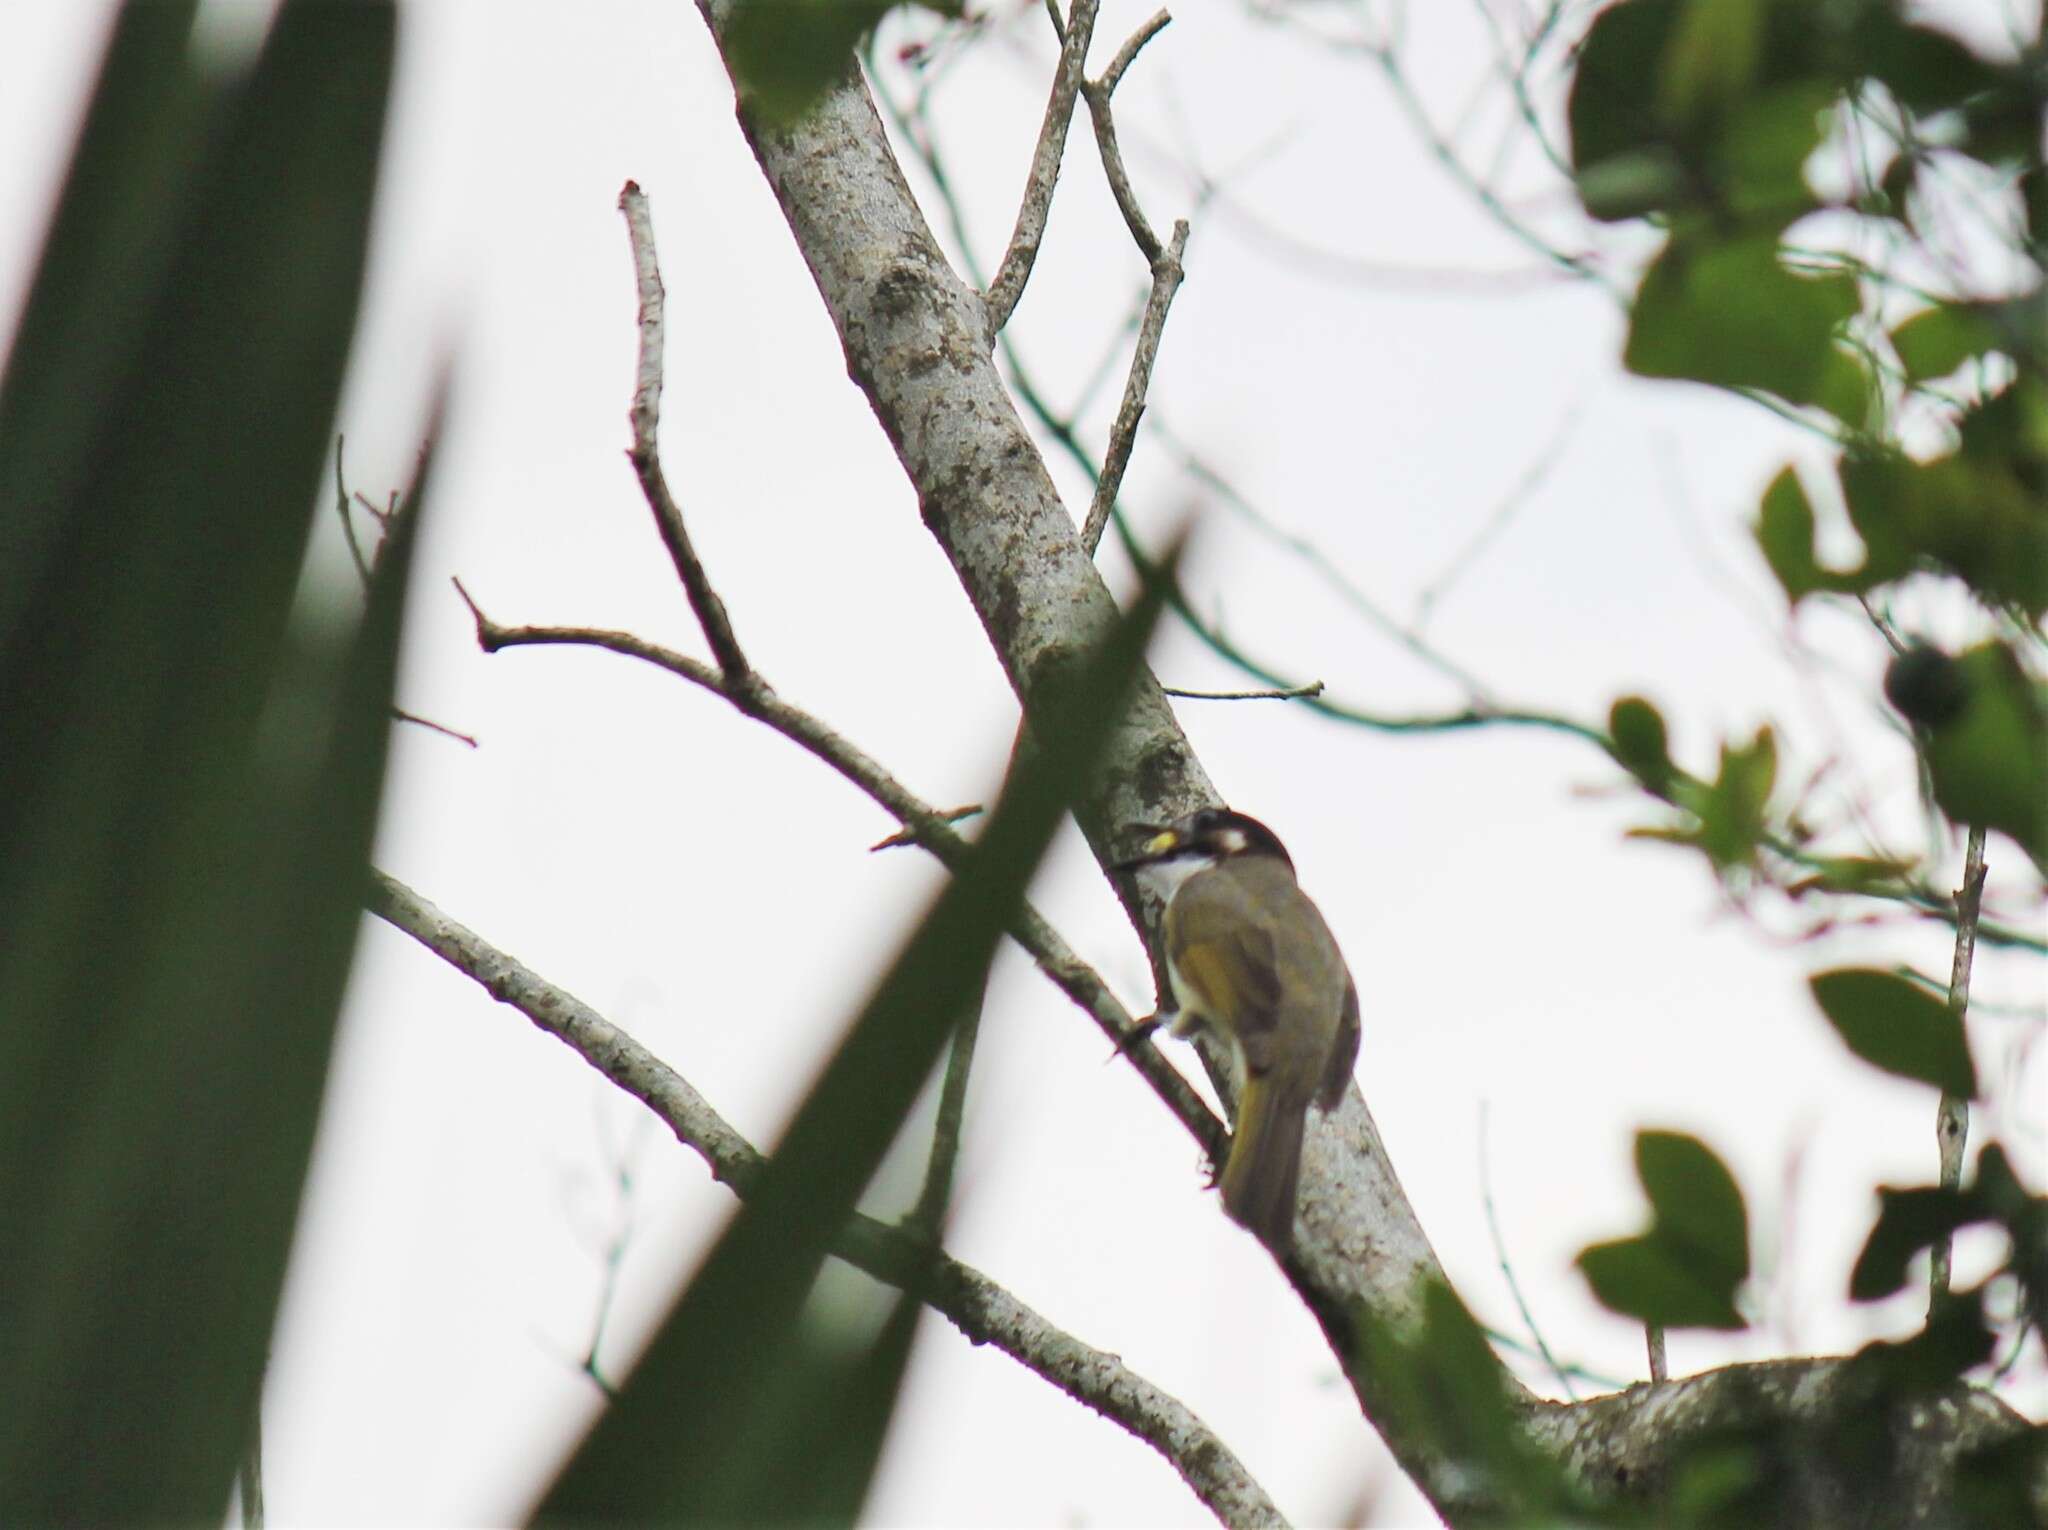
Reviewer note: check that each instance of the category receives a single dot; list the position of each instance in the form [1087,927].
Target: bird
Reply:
[1249,956]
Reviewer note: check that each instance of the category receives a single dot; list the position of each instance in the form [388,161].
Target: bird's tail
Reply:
[1264,1168]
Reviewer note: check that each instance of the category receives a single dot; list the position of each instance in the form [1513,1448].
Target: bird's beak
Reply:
[1162,842]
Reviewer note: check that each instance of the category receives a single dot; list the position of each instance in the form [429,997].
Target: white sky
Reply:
[708,886]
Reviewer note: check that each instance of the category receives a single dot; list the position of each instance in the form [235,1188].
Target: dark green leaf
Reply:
[691,1408]
[1907,1222]
[785,54]
[1893,1025]
[1685,1270]
[1640,743]
[1954,1339]
[821,1412]
[1934,343]
[101,270]
[1911,1220]
[1696,1202]
[1651,1281]
[186,805]
[1710,58]
[1725,311]
[1989,762]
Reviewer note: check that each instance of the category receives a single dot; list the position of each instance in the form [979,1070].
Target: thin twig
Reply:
[1660,1367]
[1952,1116]
[1166,279]
[348,523]
[926,824]
[1290,693]
[401,715]
[1507,1270]
[903,837]
[1014,270]
[1098,93]
[927,1216]
[976,1305]
[644,453]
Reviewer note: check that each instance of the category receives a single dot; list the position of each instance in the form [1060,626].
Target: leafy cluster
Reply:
[1846,306]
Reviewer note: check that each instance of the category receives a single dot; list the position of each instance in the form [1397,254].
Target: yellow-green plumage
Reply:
[1250,956]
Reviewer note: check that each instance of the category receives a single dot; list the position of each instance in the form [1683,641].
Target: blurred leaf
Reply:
[1936,342]
[1726,818]
[822,1410]
[102,267]
[684,1442]
[1650,1281]
[1640,742]
[1685,1270]
[1987,754]
[1441,1383]
[1926,69]
[187,795]
[1907,1222]
[1710,58]
[1910,1220]
[1978,512]
[1893,1025]
[1784,530]
[1697,1203]
[785,54]
[1954,1338]
[1725,311]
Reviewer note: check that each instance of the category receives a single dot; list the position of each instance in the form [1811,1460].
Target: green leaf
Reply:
[1936,342]
[690,1413]
[1685,1270]
[1650,1281]
[1784,530]
[1725,311]
[785,54]
[1640,742]
[102,268]
[1698,1205]
[1988,761]
[1907,1222]
[822,1409]
[1711,57]
[1954,1338]
[1891,1024]
[187,798]
[1441,1382]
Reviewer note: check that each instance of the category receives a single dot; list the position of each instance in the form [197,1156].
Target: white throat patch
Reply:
[1165,877]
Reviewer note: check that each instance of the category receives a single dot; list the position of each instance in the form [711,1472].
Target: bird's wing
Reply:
[1343,1052]
[1226,956]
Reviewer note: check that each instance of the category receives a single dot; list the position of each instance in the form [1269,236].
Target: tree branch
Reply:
[1015,268]
[925,825]
[916,345]
[975,1304]
[645,452]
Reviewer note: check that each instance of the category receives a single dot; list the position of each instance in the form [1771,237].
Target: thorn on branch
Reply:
[912,836]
